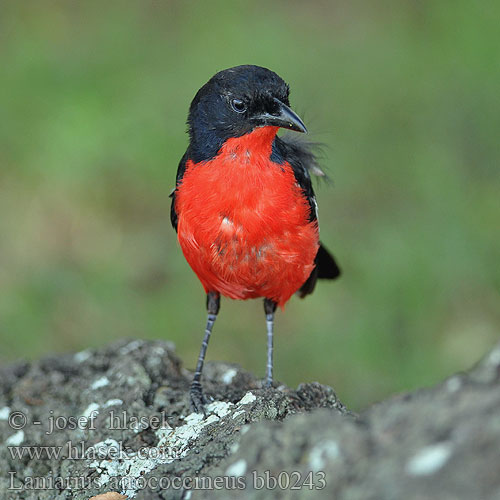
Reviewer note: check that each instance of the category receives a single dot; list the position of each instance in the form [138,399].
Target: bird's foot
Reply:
[197,398]
[268,384]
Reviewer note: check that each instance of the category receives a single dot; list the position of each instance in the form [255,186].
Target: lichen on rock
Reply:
[116,421]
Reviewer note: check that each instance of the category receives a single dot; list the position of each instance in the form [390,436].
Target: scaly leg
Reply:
[196,393]
[269,308]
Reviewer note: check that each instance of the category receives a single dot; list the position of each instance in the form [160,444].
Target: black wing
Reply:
[180,174]
[303,161]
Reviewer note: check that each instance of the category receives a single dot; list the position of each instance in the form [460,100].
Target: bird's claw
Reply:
[197,399]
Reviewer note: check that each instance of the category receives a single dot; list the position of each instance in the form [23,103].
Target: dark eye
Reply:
[238,105]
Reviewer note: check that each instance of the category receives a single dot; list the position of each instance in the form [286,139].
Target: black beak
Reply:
[283,117]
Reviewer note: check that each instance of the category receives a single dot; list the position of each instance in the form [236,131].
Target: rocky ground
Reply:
[117,419]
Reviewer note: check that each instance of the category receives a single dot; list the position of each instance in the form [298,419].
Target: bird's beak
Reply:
[283,117]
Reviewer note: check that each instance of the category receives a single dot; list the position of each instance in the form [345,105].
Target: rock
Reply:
[111,495]
[117,421]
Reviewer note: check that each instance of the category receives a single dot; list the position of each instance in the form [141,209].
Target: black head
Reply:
[233,103]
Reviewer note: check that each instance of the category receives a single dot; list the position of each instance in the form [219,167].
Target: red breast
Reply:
[244,221]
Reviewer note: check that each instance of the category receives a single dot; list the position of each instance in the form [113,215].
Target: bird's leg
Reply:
[269,308]
[196,394]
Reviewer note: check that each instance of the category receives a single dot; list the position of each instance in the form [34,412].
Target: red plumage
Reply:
[244,222]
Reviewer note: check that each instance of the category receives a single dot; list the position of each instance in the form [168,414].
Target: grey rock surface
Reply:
[117,419]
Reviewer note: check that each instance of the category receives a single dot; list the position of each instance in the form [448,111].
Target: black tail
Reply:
[326,268]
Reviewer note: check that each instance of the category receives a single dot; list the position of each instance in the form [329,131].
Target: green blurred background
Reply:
[405,97]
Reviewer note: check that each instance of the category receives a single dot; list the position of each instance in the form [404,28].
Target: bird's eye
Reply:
[238,105]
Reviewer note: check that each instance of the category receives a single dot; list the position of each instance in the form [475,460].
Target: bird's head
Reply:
[233,103]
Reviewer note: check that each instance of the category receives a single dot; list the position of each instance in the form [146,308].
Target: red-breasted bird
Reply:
[243,206]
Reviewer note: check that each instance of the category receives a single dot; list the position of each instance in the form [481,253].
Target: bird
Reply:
[243,205]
